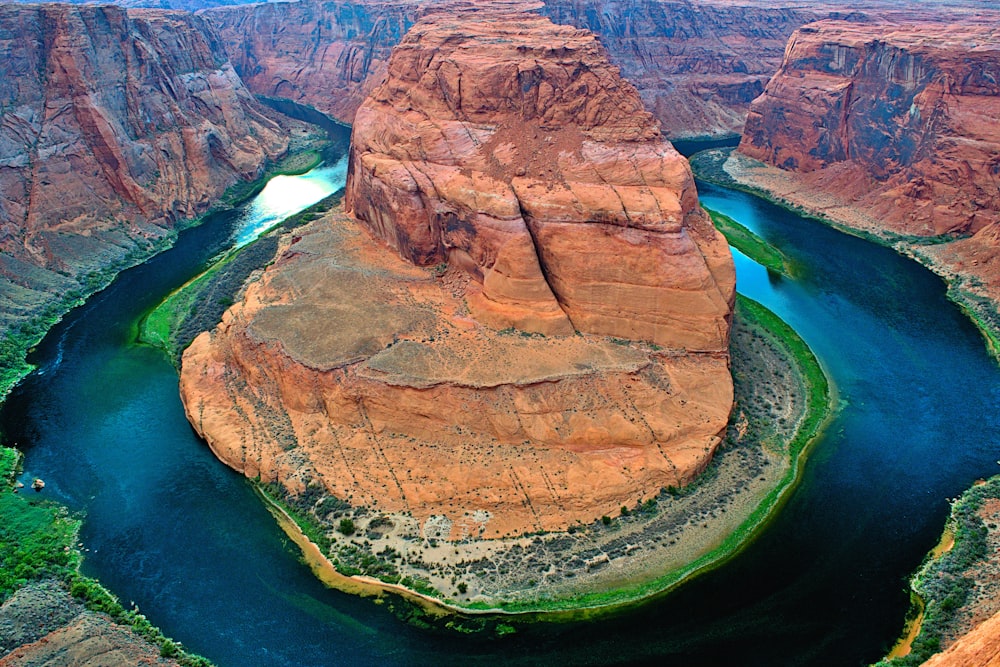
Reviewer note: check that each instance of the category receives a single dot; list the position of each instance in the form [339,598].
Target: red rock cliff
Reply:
[115,125]
[328,55]
[506,151]
[697,65]
[518,152]
[903,119]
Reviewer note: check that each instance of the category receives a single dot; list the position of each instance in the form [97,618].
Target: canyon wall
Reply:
[893,128]
[433,357]
[902,118]
[327,55]
[116,125]
[697,65]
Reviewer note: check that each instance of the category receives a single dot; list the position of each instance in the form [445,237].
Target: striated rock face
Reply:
[116,124]
[518,153]
[541,209]
[696,65]
[328,55]
[902,119]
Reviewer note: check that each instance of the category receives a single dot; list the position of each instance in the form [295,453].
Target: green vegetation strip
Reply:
[942,585]
[37,543]
[198,305]
[749,243]
[708,166]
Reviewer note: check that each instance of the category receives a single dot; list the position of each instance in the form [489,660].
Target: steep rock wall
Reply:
[116,124]
[697,65]
[903,119]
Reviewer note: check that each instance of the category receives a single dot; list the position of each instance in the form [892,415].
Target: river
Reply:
[171,529]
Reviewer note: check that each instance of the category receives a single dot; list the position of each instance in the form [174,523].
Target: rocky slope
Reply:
[697,65]
[430,391]
[116,125]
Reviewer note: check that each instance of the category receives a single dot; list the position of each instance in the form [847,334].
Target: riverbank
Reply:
[783,401]
[951,257]
[198,304]
[957,588]
[48,608]
[749,243]
[305,151]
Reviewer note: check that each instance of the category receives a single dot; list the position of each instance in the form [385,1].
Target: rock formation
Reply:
[901,118]
[697,64]
[543,200]
[328,55]
[892,128]
[116,124]
[521,155]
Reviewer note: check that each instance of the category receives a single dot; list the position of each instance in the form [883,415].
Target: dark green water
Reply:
[169,527]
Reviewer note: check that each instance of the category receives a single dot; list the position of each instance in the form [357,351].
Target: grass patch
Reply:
[37,542]
[749,243]
[941,586]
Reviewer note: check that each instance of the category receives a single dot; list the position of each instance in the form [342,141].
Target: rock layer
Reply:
[542,200]
[545,180]
[697,64]
[116,125]
[903,119]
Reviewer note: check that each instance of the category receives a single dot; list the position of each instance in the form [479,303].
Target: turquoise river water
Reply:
[171,529]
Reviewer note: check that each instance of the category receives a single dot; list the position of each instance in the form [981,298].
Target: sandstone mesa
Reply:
[555,211]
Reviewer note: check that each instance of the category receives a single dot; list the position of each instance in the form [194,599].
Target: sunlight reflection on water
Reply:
[284,196]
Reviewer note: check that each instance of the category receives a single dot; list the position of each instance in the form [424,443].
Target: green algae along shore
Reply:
[45,599]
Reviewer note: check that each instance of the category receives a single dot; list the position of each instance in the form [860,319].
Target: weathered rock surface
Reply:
[904,119]
[41,625]
[349,366]
[328,55]
[979,648]
[544,179]
[116,124]
[697,65]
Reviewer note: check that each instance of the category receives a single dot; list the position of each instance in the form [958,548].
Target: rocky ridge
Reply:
[697,65]
[117,124]
[458,394]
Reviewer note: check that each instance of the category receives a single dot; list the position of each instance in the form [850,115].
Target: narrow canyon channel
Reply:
[172,530]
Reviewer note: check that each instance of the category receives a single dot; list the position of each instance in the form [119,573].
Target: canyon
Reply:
[117,126]
[890,129]
[515,228]
[697,65]
[519,224]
